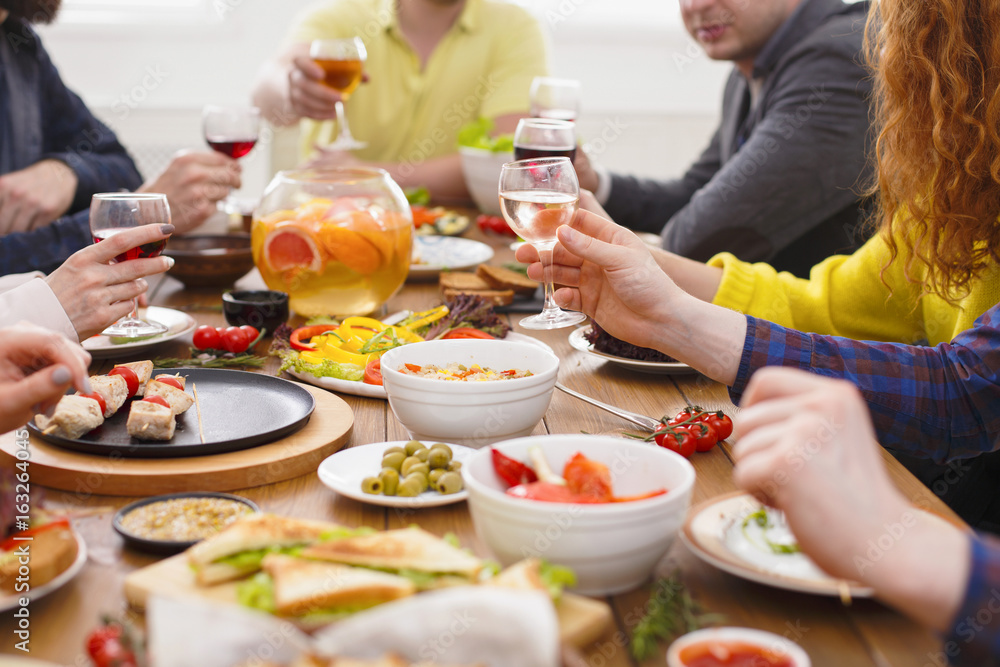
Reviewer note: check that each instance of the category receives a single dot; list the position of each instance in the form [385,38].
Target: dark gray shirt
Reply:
[779,182]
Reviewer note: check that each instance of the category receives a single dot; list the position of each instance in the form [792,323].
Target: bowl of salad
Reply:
[482,157]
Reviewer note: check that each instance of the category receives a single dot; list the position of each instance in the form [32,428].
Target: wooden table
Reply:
[865,633]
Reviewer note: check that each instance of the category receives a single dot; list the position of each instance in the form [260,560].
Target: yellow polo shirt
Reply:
[482,67]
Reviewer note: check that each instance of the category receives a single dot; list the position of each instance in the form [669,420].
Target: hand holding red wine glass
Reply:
[543,138]
[232,131]
[114,212]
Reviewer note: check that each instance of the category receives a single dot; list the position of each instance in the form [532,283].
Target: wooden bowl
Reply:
[210,261]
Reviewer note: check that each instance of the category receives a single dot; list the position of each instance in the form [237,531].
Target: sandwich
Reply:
[427,560]
[239,550]
[73,416]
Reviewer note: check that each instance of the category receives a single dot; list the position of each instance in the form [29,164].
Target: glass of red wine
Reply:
[232,131]
[558,99]
[542,137]
[536,198]
[114,212]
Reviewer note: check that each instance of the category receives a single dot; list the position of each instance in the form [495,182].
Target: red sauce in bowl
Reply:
[714,653]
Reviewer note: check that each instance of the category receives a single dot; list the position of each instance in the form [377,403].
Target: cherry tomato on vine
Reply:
[235,340]
[131,379]
[705,436]
[722,424]
[250,331]
[676,439]
[107,646]
[97,397]
[207,338]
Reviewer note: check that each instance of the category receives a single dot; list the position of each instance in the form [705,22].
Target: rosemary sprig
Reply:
[671,612]
[236,361]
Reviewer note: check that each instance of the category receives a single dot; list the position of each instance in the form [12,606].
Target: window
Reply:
[112,12]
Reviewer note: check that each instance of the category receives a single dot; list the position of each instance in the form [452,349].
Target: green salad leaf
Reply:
[476,134]
[556,578]
[257,592]
[326,369]
[418,196]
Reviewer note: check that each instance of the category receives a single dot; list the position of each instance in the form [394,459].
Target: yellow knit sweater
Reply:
[845,296]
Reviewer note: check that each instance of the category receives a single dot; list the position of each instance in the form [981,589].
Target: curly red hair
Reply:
[937,105]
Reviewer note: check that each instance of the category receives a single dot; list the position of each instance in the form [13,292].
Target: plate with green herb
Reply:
[177,323]
[739,535]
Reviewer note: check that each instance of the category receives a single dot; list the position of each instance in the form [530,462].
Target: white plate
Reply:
[8,602]
[578,340]
[376,390]
[439,253]
[712,532]
[178,323]
[344,471]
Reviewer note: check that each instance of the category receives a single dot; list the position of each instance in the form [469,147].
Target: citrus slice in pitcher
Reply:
[291,247]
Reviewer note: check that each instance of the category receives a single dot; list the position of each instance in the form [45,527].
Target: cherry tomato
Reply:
[252,332]
[159,400]
[100,400]
[705,436]
[373,372]
[107,646]
[680,417]
[495,224]
[172,381]
[235,340]
[131,379]
[722,424]
[207,338]
[467,332]
[676,439]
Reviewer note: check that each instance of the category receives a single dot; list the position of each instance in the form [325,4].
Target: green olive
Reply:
[434,475]
[441,445]
[450,482]
[408,463]
[418,479]
[390,481]
[421,468]
[393,460]
[413,446]
[372,485]
[393,450]
[409,488]
[455,466]
[438,458]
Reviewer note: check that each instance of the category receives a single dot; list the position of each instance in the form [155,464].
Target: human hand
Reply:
[37,366]
[35,196]
[308,95]
[586,174]
[95,293]
[609,274]
[194,182]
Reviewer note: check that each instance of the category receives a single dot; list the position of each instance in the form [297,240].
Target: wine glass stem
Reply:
[345,131]
[134,315]
[550,301]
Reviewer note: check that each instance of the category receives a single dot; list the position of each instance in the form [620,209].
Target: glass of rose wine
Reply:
[536,198]
[558,99]
[114,212]
[232,131]
[342,61]
[540,137]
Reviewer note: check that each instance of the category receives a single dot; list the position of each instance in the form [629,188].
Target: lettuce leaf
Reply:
[556,578]
[327,369]
[476,134]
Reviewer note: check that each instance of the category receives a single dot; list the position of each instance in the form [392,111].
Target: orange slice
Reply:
[364,223]
[291,247]
[355,251]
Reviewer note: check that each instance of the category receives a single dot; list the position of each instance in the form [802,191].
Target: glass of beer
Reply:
[342,61]
[540,138]
[536,198]
[555,98]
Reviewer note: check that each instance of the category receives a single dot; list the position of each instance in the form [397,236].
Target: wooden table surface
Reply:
[866,633]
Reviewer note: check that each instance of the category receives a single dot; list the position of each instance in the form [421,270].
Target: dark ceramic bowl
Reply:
[166,546]
[263,309]
[210,261]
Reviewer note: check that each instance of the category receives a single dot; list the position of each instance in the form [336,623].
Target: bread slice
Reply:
[303,586]
[500,278]
[524,575]
[405,549]
[496,297]
[257,531]
[462,280]
[51,552]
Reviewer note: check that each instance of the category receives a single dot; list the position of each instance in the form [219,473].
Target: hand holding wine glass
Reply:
[342,61]
[112,213]
[232,131]
[542,138]
[536,198]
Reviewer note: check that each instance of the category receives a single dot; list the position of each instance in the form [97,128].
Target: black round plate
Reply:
[165,546]
[239,410]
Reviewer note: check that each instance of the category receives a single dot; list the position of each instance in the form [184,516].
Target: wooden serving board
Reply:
[328,430]
[582,620]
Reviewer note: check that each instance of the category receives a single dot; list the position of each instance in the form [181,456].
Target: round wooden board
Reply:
[328,431]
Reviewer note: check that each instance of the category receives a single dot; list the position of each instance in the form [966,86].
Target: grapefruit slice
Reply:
[291,247]
[353,250]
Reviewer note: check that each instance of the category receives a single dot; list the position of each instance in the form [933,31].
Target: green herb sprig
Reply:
[671,612]
[235,361]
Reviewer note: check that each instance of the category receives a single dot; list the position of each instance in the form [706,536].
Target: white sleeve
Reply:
[35,302]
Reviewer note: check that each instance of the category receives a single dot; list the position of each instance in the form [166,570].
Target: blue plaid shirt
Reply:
[974,639]
[40,118]
[940,403]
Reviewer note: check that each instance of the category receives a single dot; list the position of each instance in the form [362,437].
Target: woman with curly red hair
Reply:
[929,277]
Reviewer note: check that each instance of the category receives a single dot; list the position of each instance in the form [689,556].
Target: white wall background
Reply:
[650,96]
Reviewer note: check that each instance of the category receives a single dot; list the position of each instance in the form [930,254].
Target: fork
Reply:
[648,423]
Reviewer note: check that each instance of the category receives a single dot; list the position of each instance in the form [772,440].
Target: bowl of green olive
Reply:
[404,473]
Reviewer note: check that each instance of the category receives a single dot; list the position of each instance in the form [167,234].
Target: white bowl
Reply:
[482,176]
[765,640]
[470,413]
[611,547]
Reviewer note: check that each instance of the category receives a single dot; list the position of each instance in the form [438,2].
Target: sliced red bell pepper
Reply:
[467,332]
[512,471]
[302,334]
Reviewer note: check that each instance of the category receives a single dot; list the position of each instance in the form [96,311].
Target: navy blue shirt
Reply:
[40,118]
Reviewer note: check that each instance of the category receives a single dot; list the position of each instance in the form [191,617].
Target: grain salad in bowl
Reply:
[456,372]
[173,522]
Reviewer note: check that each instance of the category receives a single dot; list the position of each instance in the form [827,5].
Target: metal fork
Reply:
[648,423]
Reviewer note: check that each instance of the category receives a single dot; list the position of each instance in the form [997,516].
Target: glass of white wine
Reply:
[536,198]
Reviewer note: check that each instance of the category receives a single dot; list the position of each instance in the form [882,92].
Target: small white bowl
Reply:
[473,414]
[611,547]
[482,176]
[759,638]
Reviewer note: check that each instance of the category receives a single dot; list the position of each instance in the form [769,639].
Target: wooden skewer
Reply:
[845,592]
[197,406]
[51,429]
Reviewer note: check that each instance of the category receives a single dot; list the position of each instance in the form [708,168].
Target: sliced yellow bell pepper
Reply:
[427,317]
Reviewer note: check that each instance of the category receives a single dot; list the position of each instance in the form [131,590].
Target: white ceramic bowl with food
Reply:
[722,641]
[482,176]
[611,547]
[470,413]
